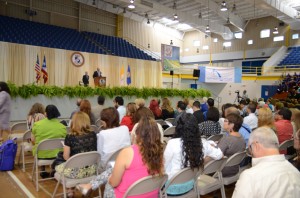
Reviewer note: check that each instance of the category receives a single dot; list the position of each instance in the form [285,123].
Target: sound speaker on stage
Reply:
[196,73]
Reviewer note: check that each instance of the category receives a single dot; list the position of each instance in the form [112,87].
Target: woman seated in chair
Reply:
[36,113]
[186,150]
[81,139]
[133,163]
[48,128]
[113,136]
[127,120]
[233,142]
[296,160]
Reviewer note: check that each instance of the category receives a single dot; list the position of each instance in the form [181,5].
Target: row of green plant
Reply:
[31,90]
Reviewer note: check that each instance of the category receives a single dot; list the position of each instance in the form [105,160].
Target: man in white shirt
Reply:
[271,174]
[251,120]
[119,105]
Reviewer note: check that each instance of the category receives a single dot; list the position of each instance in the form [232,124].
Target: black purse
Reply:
[59,159]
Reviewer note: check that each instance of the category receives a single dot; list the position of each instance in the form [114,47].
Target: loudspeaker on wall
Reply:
[196,73]
[171,72]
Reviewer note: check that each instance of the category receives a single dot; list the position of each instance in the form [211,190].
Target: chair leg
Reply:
[33,168]
[19,158]
[23,159]
[37,177]
[64,186]
[54,193]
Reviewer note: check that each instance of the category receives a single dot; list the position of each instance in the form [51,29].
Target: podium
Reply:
[100,81]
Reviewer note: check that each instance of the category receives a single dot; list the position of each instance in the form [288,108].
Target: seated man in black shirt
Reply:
[197,113]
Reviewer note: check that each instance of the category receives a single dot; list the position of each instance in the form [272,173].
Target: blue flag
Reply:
[128,75]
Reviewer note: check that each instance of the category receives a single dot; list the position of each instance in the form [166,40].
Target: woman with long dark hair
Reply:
[186,150]
[143,158]
[5,101]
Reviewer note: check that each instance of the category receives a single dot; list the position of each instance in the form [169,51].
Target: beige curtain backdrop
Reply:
[17,63]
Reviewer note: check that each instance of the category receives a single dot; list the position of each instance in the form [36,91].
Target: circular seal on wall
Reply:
[77,59]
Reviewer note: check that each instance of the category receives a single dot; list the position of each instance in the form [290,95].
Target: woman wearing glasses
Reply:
[233,142]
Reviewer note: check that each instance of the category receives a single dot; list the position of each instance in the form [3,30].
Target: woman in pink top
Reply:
[133,163]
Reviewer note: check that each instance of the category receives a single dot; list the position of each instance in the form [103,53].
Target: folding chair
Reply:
[285,145]
[171,120]
[207,184]
[49,144]
[234,160]
[215,138]
[17,130]
[168,133]
[95,128]
[99,123]
[146,185]
[77,161]
[25,148]
[113,157]
[160,121]
[185,175]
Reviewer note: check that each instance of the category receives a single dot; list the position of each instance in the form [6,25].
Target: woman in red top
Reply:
[127,120]
[154,107]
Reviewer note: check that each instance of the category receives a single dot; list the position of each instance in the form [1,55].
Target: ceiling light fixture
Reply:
[223,6]
[131,5]
[94,2]
[171,43]
[233,8]
[148,21]
[228,20]
[124,11]
[207,29]
[175,17]
[200,14]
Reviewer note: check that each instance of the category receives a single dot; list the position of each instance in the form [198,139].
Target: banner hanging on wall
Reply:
[220,74]
[170,57]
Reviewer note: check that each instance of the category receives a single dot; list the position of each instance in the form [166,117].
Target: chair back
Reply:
[214,166]
[160,121]
[26,135]
[113,157]
[99,123]
[171,120]
[215,137]
[286,144]
[95,128]
[83,159]
[170,131]
[183,176]
[146,185]
[235,159]
[20,126]
[50,144]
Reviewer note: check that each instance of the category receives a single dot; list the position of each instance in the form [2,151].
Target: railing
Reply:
[146,50]
[249,70]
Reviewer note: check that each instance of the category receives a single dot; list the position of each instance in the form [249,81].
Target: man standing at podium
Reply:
[97,73]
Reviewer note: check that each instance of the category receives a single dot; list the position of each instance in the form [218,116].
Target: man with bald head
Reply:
[97,73]
[271,174]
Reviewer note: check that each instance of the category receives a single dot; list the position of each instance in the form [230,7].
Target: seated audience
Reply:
[296,160]
[251,119]
[212,125]
[243,107]
[221,120]
[142,159]
[265,118]
[185,150]
[233,142]
[36,113]
[154,107]
[44,129]
[283,125]
[181,106]
[189,105]
[96,110]
[204,106]
[113,136]
[166,109]
[119,105]
[81,139]
[139,114]
[271,174]
[210,103]
[197,113]
[128,118]
[139,102]
[85,106]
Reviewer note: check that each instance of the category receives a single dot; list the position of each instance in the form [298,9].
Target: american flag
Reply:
[37,69]
[44,70]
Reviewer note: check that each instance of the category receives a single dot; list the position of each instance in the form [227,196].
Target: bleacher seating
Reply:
[292,58]
[32,33]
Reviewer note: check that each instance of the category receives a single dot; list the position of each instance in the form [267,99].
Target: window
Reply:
[215,40]
[227,44]
[265,33]
[250,42]
[238,35]
[278,38]
[205,47]
[295,36]
[196,43]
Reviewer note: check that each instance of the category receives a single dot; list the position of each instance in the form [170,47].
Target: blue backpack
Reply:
[8,151]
